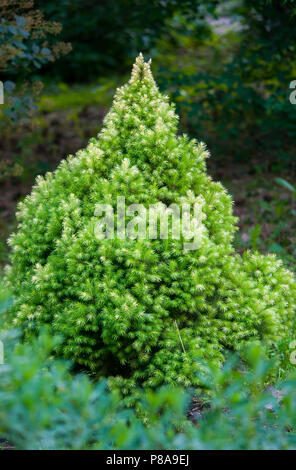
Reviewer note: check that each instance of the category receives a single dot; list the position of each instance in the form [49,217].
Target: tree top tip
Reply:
[141,70]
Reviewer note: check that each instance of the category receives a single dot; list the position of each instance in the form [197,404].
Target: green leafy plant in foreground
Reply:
[42,406]
[285,184]
[140,311]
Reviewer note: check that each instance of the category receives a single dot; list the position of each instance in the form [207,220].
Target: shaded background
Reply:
[226,64]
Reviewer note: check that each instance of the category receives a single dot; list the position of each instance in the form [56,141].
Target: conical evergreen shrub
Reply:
[141,311]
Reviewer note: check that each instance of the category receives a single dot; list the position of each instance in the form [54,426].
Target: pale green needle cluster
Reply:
[140,311]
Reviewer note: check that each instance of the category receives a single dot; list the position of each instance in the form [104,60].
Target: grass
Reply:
[64,97]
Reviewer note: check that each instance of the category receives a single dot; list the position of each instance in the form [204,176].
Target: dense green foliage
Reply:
[43,407]
[5,299]
[234,86]
[123,305]
[106,35]
[26,45]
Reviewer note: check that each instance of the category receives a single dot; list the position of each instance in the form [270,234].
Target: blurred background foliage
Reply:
[107,36]
[25,46]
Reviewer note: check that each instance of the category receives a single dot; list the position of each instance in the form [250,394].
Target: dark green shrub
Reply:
[26,45]
[234,87]
[139,310]
[43,407]
[106,35]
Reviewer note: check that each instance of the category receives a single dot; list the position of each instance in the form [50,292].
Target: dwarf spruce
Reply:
[141,311]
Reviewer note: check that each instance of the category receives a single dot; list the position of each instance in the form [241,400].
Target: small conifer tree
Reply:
[141,311]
